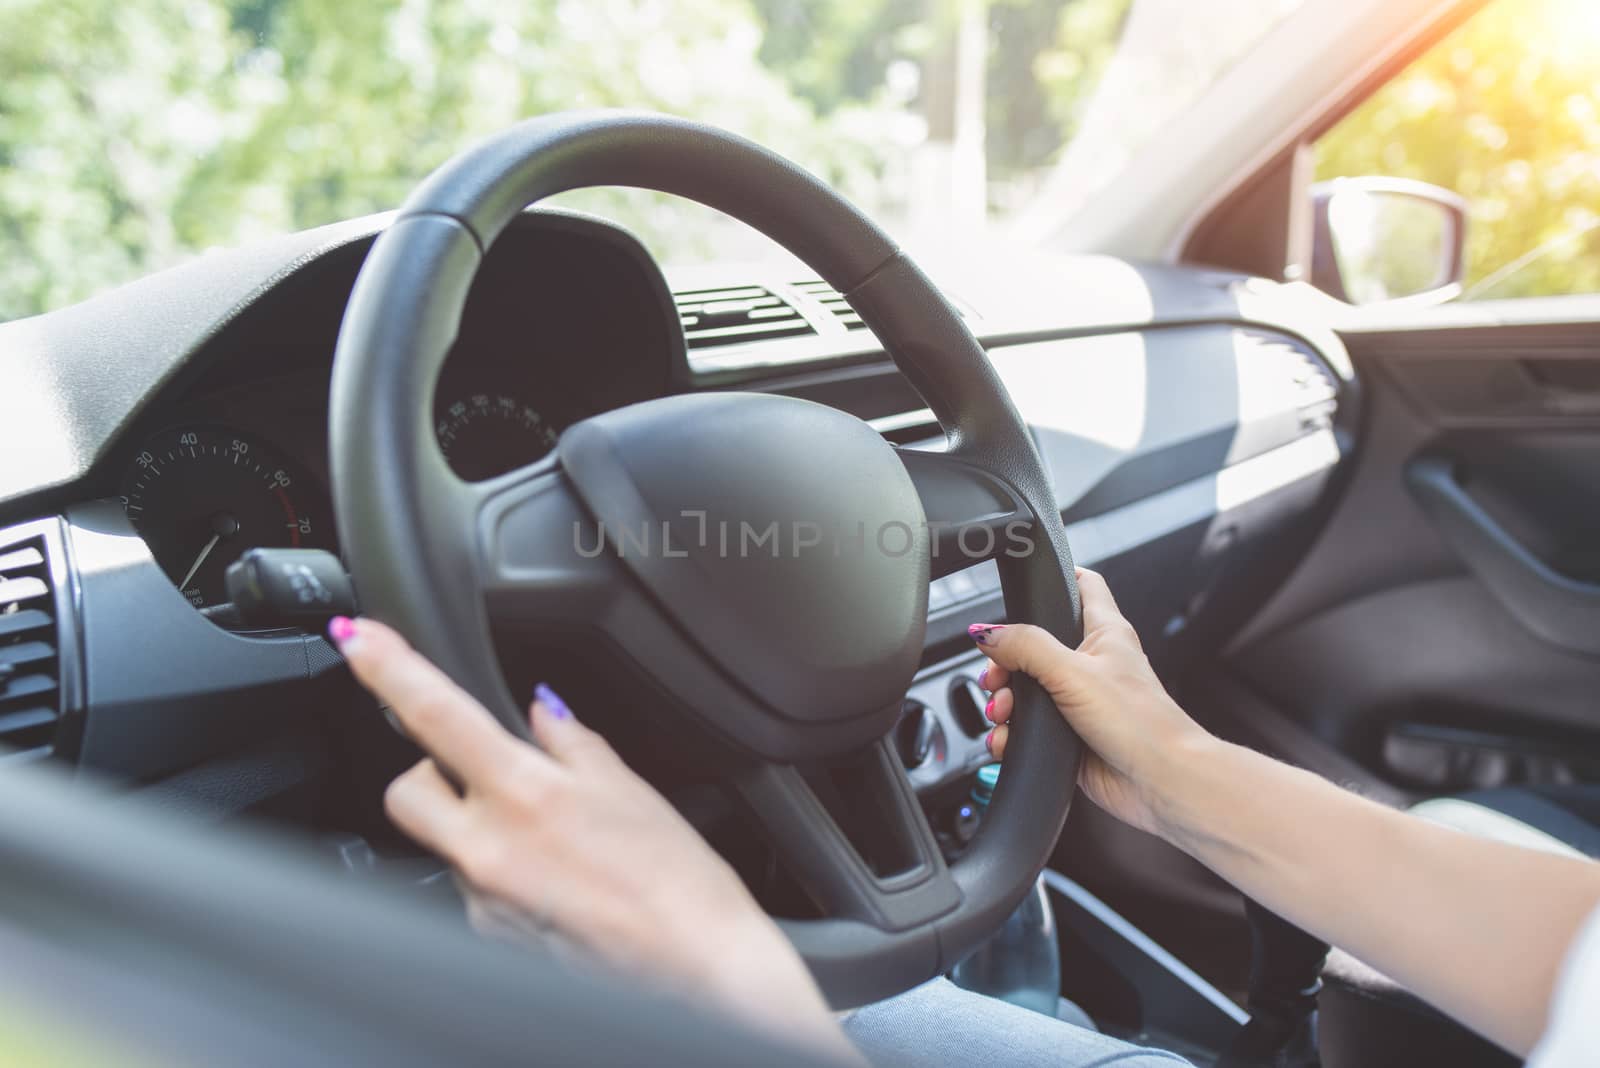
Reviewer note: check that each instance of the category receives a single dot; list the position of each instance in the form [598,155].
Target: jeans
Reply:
[938,1023]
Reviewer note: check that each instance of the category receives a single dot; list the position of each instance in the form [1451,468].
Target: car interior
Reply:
[1361,537]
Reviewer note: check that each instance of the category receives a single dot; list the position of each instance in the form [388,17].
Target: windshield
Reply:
[136,133]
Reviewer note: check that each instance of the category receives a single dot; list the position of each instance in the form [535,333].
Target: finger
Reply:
[993,676]
[1000,705]
[1099,607]
[438,715]
[424,805]
[996,742]
[1025,648]
[559,733]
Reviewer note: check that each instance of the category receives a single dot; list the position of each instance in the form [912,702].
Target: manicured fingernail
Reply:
[988,742]
[552,700]
[983,679]
[988,710]
[341,629]
[983,633]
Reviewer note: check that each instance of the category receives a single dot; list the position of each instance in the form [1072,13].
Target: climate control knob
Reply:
[918,738]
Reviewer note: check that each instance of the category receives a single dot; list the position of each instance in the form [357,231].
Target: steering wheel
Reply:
[778,598]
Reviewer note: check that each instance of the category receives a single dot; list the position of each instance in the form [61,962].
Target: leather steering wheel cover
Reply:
[393,491]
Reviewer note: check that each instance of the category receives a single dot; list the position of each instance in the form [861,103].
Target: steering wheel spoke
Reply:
[534,557]
[854,835]
[973,514]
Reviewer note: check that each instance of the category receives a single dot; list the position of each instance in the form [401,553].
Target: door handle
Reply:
[1563,611]
[1570,387]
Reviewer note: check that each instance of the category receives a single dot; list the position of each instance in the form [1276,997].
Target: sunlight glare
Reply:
[1574,26]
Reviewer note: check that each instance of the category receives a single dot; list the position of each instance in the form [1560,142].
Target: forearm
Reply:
[786,1002]
[1477,927]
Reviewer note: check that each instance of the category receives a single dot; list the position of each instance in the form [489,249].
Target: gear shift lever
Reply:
[1285,977]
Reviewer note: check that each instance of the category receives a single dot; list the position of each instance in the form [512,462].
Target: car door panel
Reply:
[1444,630]
[1545,598]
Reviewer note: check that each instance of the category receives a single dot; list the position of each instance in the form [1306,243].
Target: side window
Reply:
[1505,112]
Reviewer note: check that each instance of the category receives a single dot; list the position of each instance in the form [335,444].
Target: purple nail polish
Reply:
[983,633]
[983,679]
[552,700]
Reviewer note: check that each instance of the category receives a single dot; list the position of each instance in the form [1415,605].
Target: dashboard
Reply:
[563,321]
[1192,421]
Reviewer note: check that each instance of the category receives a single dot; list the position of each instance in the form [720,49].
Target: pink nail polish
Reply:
[341,629]
[988,710]
[983,633]
[988,742]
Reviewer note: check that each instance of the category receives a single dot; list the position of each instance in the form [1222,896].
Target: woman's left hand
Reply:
[565,836]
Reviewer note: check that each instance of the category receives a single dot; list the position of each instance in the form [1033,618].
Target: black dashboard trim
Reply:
[86,381]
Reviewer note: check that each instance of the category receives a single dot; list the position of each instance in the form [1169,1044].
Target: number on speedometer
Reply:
[488,434]
[202,496]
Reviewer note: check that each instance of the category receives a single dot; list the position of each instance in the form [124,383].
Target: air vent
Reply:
[831,299]
[1313,385]
[1312,381]
[30,695]
[736,316]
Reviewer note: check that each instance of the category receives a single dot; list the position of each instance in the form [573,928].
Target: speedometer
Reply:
[488,434]
[202,496]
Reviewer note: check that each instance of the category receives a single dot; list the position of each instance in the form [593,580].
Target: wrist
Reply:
[757,975]
[1184,787]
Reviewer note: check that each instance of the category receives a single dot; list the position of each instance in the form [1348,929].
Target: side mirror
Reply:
[1388,239]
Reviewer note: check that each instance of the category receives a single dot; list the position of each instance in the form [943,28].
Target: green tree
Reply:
[104,112]
[134,134]
[835,53]
[1506,112]
[1068,70]
[1045,58]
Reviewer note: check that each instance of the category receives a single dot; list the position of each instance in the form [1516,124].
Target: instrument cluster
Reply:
[565,319]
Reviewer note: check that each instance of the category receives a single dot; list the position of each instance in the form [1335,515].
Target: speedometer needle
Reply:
[212,544]
[223,525]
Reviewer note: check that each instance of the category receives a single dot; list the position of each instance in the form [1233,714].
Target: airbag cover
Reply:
[783,536]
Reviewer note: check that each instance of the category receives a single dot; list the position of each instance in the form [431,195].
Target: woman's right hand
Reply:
[1110,695]
[1476,927]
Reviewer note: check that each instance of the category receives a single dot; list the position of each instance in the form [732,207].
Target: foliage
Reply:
[1045,58]
[837,53]
[1506,112]
[133,134]
[104,113]
[1085,40]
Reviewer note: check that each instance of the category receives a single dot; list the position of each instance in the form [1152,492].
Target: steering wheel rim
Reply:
[414,534]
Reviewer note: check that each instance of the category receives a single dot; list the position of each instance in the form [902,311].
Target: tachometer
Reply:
[488,434]
[202,496]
